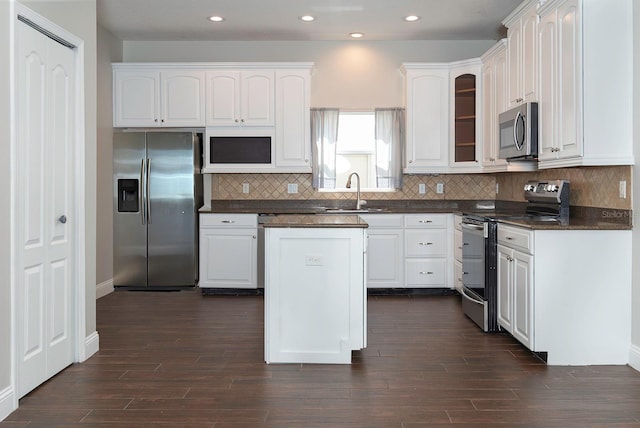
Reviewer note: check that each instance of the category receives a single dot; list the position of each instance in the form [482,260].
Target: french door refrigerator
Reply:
[157,193]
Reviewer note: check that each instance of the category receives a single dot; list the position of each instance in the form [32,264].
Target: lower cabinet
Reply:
[228,251]
[426,250]
[564,293]
[515,291]
[385,249]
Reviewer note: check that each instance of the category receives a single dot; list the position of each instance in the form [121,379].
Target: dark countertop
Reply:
[581,218]
[316,221]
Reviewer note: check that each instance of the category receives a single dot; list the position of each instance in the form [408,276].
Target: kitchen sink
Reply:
[353,211]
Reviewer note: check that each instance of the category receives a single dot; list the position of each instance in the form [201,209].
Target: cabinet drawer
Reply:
[383,221]
[517,238]
[426,220]
[228,220]
[425,243]
[425,272]
[457,244]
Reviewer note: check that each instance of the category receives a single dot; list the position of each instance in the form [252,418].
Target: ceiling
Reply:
[277,20]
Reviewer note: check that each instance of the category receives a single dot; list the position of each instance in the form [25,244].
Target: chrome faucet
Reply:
[359,202]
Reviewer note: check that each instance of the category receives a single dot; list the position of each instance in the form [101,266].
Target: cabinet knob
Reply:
[236,120]
[254,237]
[509,238]
[242,120]
[162,121]
[411,161]
[155,120]
[62,219]
[306,161]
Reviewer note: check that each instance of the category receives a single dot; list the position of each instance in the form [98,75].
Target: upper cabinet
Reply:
[240,98]
[293,121]
[152,97]
[585,98]
[494,102]
[427,133]
[466,107]
[522,61]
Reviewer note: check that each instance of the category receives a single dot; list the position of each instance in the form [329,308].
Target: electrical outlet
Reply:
[623,189]
[440,188]
[422,188]
[292,188]
[313,260]
[497,188]
[245,187]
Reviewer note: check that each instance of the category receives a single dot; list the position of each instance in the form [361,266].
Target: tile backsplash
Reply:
[274,186]
[590,186]
[594,186]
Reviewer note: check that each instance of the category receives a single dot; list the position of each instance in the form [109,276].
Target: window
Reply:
[369,143]
[356,148]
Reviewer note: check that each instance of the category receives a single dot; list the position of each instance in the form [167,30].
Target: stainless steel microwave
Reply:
[519,132]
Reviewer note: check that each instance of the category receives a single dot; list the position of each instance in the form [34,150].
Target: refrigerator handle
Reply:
[140,196]
[148,191]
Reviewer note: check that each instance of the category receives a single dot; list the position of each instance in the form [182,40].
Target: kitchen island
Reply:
[315,290]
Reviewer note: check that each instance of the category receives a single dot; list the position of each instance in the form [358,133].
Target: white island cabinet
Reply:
[315,293]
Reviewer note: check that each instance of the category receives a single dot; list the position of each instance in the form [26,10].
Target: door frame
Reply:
[83,345]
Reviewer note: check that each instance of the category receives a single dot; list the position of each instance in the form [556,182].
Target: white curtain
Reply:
[324,135]
[389,147]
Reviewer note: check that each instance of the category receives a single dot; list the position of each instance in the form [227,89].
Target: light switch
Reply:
[623,189]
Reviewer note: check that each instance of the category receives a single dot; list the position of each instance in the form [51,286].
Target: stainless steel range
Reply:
[547,201]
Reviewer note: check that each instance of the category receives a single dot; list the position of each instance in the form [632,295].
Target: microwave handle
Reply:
[518,143]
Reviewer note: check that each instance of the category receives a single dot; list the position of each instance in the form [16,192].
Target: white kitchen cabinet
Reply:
[465,83]
[522,53]
[315,294]
[427,102]
[515,291]
[494,96]
[228,251]
[385,250]
[240,98]
[457,252]
[426,251]
[585,118]
[152,97]
[560,292]
[293,122]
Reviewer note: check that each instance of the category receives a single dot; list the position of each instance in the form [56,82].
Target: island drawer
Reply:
[384,221]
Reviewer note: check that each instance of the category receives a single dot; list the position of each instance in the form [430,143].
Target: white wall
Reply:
[346,74]
[6,403]
[109,49]
[635,308]
[79,18]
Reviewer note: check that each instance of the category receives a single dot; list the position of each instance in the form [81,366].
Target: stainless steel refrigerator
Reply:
[157,193]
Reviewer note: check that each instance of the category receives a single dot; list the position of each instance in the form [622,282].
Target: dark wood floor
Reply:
[183,360]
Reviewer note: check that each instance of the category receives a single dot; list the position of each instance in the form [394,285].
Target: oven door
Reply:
[474,299]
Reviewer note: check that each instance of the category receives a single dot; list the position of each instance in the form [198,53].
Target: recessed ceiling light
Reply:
[411,18]
[307,18]
[356,35]
[216,18]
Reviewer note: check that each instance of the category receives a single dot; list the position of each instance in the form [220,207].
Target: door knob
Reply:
[62,219]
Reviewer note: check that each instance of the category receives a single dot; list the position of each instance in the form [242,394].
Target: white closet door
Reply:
[45,206]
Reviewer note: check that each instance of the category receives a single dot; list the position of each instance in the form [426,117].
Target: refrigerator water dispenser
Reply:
[128,196]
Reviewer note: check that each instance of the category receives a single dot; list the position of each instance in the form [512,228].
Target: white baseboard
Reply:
[104,288]
[91,345]
[8,402]
[634,357]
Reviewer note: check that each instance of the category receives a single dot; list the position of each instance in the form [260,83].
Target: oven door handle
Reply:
[472,226]
[472,298]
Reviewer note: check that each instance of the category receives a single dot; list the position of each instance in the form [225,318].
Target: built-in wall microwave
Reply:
[240,148]
[519,132]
